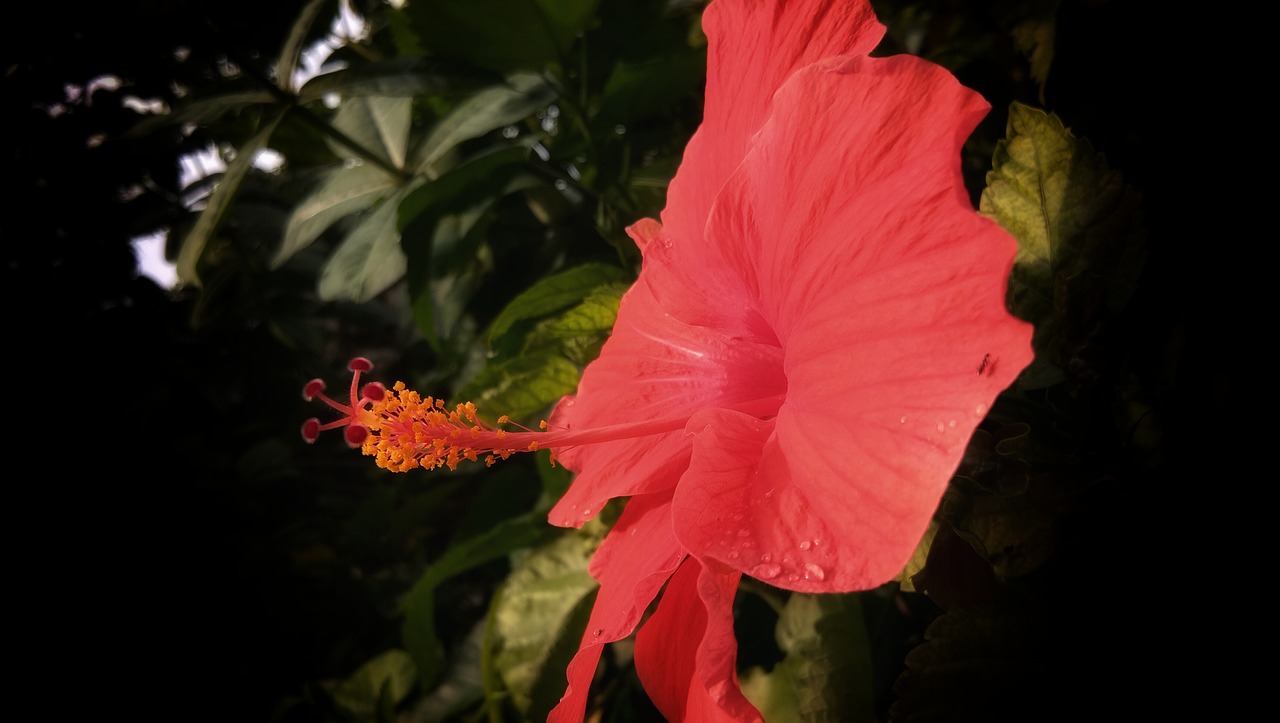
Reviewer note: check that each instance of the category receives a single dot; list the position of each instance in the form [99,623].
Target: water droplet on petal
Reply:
[804,544]
[793,578]
[951,423]
[816,541]
[765,572]
[744,532]
[586,511]
[942,427]
[979,410]
[733,554]
[738,517]
[902,420]
[813,572]
[768,494]
[766,557]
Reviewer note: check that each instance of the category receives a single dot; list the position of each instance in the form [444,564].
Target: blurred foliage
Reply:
[451,204]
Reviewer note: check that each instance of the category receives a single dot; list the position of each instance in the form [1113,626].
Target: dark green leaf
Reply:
[419,629]
[345,191]
[536,622]
[1079,232]
[826,676]
[388,678]
[554,293]
[486,175]
[501,34]
[522,387]
[397,77]
[486,110]
[220,200]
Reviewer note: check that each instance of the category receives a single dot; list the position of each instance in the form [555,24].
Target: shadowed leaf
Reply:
[1079,233]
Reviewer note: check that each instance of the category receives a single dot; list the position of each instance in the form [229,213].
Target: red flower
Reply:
[824,306]
[818,328]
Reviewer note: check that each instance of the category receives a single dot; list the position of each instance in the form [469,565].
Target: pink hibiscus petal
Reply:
[654,367]
[753,47]
[849,223]
[632,564]
[686,653]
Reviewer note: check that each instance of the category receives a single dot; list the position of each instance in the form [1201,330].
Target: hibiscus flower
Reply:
[818,327]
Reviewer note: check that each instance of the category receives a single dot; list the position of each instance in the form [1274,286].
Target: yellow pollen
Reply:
[408,431]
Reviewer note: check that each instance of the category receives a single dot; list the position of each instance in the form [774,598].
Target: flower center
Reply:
[403,430]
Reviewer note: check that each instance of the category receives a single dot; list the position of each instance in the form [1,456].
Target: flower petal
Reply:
[849,222]
[753,47]
[632,564]
[686,653]
[654,367]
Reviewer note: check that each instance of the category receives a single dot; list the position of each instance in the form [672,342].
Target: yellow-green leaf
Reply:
[1079,232]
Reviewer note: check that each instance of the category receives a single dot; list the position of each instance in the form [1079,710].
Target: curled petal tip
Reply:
[360,364]
[311,430]
[313,387]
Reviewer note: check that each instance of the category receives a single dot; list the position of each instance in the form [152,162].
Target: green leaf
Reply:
[460,687]
[593,317]
[501,34]
[345,191]
[635,91]
[381,682]
[535,624]
[489,109]
[419,629]
[220,201]
[580,332]
[486,175]
[1035,39]
[522,387]
[827,670]
[978,663]
[369,259]
[1078,227]
[289,55]
[552,294]
[202,112]
[380,125]
[398,77]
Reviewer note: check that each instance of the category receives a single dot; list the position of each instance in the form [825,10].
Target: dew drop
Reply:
[942,427]
[902,420]
[738,517]
[768,494]
[733,554]
[813,572]
[816,541]
[744,532]
[586,511]
[599,632]
[766,557]
[765,572]
[793,578]
[979,410]
[951,423]
[805,544]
